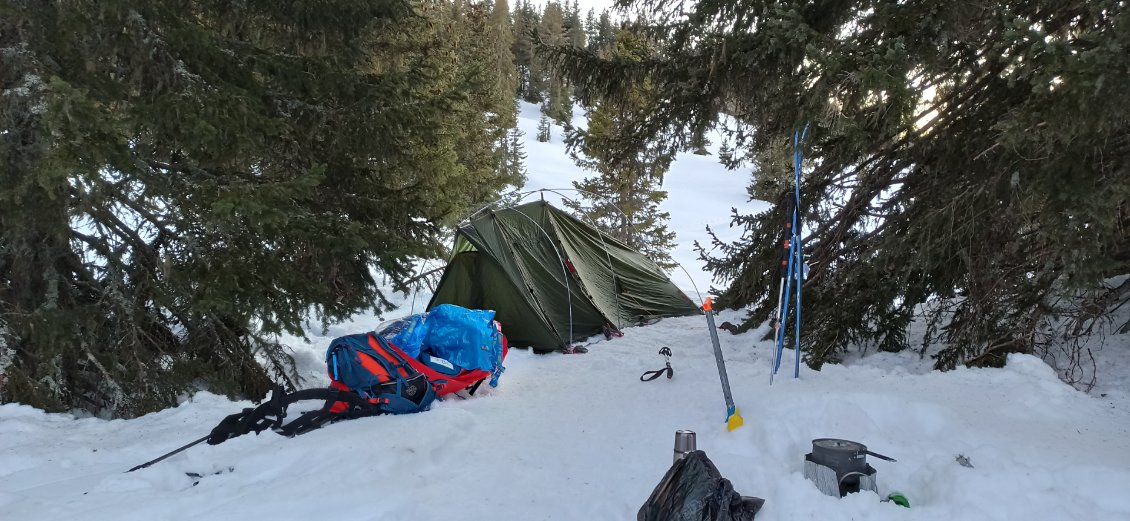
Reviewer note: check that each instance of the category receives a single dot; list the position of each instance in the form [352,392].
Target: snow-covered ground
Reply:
[575,437]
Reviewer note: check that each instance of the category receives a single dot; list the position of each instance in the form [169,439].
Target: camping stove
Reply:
[839,467]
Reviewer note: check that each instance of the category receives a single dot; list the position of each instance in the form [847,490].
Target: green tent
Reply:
[553,279]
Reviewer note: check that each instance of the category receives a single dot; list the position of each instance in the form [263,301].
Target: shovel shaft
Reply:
[721,364]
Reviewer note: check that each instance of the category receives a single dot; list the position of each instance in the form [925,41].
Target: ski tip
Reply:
[708,305]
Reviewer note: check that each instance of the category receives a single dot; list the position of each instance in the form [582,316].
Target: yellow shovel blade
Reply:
[734,421]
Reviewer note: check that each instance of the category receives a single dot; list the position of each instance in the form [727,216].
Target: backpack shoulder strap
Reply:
[360,373]
[394,352]
[272,413]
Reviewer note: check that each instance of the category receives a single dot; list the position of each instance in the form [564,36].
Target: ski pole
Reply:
[733,417]
[782,306]
[785,301]
[777,320]
[798,160]
[170,454]
[242,422]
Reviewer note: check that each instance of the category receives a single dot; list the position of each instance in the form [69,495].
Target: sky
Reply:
[585,5]
[579,436]
[597,5]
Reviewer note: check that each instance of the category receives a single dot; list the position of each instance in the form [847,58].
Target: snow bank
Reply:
[580,437]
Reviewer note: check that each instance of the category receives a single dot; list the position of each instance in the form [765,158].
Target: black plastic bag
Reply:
[694,490]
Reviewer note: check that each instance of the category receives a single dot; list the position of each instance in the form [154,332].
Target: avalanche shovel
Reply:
[733,417]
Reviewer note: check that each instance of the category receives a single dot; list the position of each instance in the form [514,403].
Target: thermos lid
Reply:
[684,441]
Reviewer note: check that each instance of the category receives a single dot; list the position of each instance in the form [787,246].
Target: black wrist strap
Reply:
[652,375]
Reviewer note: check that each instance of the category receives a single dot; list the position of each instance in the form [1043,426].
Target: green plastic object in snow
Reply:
[898,499]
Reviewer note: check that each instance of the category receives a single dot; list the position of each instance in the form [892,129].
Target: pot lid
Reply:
[838,445]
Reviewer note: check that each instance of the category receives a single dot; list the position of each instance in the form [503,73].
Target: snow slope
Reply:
[573,437]
[580,437]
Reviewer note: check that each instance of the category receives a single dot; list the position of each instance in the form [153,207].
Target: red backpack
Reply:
[368,376]
[379,373]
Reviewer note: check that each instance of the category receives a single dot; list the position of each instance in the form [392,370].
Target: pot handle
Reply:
[882,457]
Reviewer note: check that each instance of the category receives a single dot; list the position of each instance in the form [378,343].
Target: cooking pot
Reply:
[844,456]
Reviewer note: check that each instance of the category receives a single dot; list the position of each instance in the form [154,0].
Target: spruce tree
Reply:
[590,28]
[559,99]
[511,156]
[559,102]
[725,154]
[699,142]
[574,28]
[965,161]
[544,128]
[623,197]
[502,36]
[530,80]
[478,76]
[516,155]
[183,182]
[604,33]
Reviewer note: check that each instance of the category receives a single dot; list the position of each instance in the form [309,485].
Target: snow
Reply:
[580,437]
